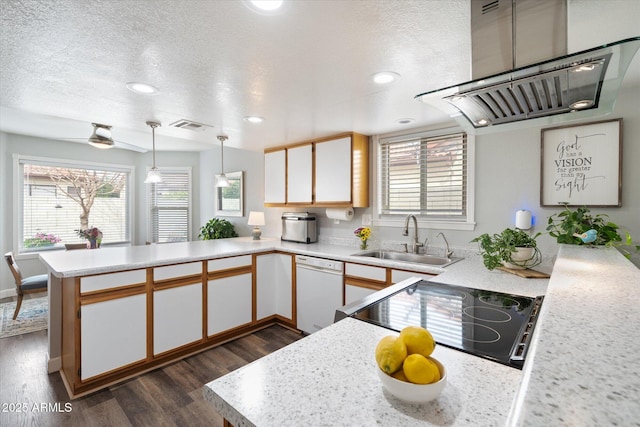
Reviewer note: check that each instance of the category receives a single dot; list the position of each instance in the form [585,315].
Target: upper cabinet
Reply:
[333,171]
[275,176]
[299,174]
[327,172]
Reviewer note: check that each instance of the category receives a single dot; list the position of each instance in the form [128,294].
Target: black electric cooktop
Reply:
[492,325]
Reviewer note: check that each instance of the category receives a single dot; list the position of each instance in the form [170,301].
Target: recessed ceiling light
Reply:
[267,5]
[405,121]
[385,77]
[142,88]
[254,119]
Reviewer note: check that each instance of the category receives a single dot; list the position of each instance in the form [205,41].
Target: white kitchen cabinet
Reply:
[333,171]
[400,275]
[329,172]
[366,272]
[113,334]
[274,287]
[229,303]
[275,177]
[354,293]
[177,317]
[299,174]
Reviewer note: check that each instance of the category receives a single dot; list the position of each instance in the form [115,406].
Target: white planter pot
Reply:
[522,256]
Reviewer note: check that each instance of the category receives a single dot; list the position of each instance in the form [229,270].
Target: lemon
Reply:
[400,376]
[418,340]
[390,353]
[420,370]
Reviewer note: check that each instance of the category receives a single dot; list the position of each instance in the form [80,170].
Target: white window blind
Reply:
[169,206]
[60,197]
[424,176]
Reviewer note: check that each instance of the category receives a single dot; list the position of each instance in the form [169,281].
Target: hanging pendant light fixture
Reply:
[153,176]
[222,178]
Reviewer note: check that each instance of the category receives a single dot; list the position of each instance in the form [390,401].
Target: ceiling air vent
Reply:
[190,125]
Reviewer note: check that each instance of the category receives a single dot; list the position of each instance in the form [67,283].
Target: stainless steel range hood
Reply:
[583,84]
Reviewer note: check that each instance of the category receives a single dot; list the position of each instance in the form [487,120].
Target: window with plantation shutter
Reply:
[169,206]
[425,176]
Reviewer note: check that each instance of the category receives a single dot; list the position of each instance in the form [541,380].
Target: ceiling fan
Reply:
[101,138]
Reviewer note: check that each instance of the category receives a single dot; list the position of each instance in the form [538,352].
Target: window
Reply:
[169,206]
[425,175]
[58,197]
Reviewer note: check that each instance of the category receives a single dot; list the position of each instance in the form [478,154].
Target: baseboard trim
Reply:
[53,365]
[8,293]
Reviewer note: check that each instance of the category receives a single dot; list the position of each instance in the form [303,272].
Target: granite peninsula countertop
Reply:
[583,367]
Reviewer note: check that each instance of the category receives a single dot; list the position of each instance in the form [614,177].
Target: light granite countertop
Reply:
[329,379]
[583,367]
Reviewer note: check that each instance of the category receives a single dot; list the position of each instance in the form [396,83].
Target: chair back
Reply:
[13,266]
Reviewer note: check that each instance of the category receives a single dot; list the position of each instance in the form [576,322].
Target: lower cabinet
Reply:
[274,286]
[354,293]
[113,334]
[229,302]
[177,317]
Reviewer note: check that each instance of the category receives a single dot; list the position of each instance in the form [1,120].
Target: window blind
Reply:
[424,176]
[169,207]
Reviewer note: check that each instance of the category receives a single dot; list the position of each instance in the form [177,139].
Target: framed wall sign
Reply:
[229,200]
[581,165]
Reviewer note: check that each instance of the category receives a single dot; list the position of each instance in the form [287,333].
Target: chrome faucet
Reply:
[447,251]
[415,248]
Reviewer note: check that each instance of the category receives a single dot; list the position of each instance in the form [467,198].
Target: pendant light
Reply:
[153,176]
[222,178]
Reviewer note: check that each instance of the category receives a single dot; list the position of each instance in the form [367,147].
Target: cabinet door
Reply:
[299,174]
[177,317]
[274,286]
[113,334]
[275,177]
[333,171]
[228,303]
[354,293]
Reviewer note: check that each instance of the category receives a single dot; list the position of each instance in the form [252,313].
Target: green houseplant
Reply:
[569,226]
[217,228]
[513,248]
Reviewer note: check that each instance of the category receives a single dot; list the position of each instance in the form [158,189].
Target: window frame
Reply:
[148,207]
[397,220]
[18,193]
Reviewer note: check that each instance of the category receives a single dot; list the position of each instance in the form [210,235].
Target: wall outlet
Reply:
[366,219]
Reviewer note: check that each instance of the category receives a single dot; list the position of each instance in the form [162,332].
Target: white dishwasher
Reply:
[319,292]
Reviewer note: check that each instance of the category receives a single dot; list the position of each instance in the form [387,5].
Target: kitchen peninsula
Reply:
[580,366]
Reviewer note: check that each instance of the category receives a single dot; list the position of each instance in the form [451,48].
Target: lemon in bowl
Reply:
[412,392]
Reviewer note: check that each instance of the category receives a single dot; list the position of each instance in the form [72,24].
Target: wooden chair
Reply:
[31,284]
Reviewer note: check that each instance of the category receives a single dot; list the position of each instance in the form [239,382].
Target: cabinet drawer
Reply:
[177,271]
[400,275]
[227,263]
[366,271]
[112,280]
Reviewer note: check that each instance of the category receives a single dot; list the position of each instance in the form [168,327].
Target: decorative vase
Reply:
[93,243]
[363,244]
[521,256]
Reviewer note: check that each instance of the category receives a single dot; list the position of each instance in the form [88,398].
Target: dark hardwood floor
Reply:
[169,396]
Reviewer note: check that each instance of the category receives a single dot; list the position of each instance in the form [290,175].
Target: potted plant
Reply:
[512,248]
[217,228]
[581,227]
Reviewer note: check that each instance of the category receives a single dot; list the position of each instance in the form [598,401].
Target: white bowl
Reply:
[414,393]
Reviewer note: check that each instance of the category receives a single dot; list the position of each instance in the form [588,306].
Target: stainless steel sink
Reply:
[406,257]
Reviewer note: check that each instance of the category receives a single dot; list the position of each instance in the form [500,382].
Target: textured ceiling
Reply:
[306,70]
